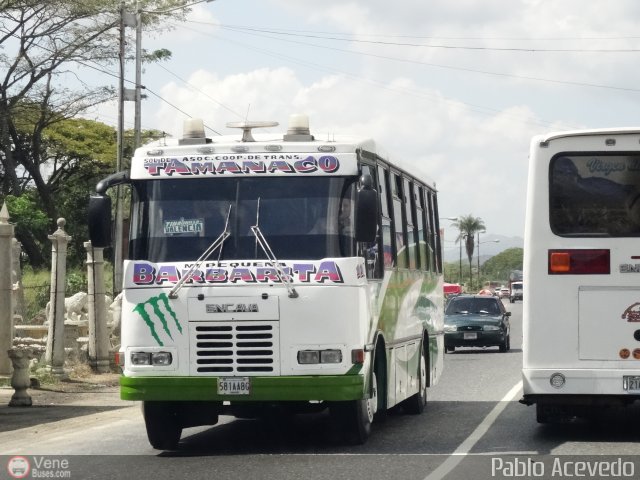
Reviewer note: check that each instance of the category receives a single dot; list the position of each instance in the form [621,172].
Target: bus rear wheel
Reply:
[354,418]
[415,404]
[163,423]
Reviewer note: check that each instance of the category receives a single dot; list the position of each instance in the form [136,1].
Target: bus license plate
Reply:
[234,386]
[631,384]
[470,336]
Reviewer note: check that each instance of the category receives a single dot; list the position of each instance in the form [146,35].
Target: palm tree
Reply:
[468,226]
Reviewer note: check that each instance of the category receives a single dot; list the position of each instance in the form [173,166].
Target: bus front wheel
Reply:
[353,418]
[163,423]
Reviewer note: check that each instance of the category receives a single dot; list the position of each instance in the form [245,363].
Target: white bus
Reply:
[276,272]
[582,273]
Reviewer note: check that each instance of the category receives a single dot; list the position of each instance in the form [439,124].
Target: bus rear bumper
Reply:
[580,385]
[267,389]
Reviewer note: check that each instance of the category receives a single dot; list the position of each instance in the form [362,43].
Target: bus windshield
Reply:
[301,217]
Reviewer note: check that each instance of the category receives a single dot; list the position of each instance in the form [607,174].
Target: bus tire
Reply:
[163,424]
[415,404]
[354,418]
[380,375]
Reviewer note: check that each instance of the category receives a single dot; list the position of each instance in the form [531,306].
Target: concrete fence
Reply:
[82,327]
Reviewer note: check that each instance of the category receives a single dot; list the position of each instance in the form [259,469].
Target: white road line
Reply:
[465,447]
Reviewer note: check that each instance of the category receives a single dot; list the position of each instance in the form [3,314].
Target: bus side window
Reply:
[399,220]
[429,254]
[388,251]
[436,222]
[410,224]
[373,260]
[434,234]
[421,234]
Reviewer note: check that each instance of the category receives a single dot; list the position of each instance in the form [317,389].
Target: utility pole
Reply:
[128,95]
[137,127]
[125,95]
[117,246]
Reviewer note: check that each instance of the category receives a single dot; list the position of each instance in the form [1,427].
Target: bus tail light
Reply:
[579,262]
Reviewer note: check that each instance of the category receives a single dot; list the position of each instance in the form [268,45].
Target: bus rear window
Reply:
[595,194]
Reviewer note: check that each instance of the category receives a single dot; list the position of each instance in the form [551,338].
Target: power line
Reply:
[200,91]
[477,108]
[422,45]
[115,75]
[434,37]
[452,67]
[178,109]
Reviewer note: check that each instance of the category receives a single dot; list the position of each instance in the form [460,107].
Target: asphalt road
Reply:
[472,428]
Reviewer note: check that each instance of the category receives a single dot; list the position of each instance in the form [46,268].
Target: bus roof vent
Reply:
[247,126]
[298,129]
[193,132]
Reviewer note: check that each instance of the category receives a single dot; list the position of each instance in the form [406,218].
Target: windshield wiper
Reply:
[264,245]
[217,243]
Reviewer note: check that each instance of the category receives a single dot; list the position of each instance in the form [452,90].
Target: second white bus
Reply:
[582,273]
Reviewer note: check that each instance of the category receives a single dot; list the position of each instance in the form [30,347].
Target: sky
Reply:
[454,90]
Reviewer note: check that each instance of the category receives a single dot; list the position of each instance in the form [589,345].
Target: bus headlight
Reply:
[161,358]
[330,356]
[158,359]
[140,358]
[306,357]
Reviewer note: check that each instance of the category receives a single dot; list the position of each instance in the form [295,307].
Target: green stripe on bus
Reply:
[331,388]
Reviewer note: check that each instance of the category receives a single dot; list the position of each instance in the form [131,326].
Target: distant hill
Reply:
[488,248]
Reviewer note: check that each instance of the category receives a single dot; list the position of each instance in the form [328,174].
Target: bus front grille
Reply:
[235,348]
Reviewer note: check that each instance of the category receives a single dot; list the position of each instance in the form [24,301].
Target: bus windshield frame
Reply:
[176,220]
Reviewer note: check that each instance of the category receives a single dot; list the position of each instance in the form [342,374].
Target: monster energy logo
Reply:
[155,302]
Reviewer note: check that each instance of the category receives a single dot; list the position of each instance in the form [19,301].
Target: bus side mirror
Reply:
[366,211]
[99,221]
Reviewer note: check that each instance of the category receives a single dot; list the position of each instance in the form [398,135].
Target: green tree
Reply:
[499,266]
[468,226]
[78,154]
[42,46]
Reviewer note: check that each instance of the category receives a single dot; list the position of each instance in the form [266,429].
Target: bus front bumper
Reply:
[294,388]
